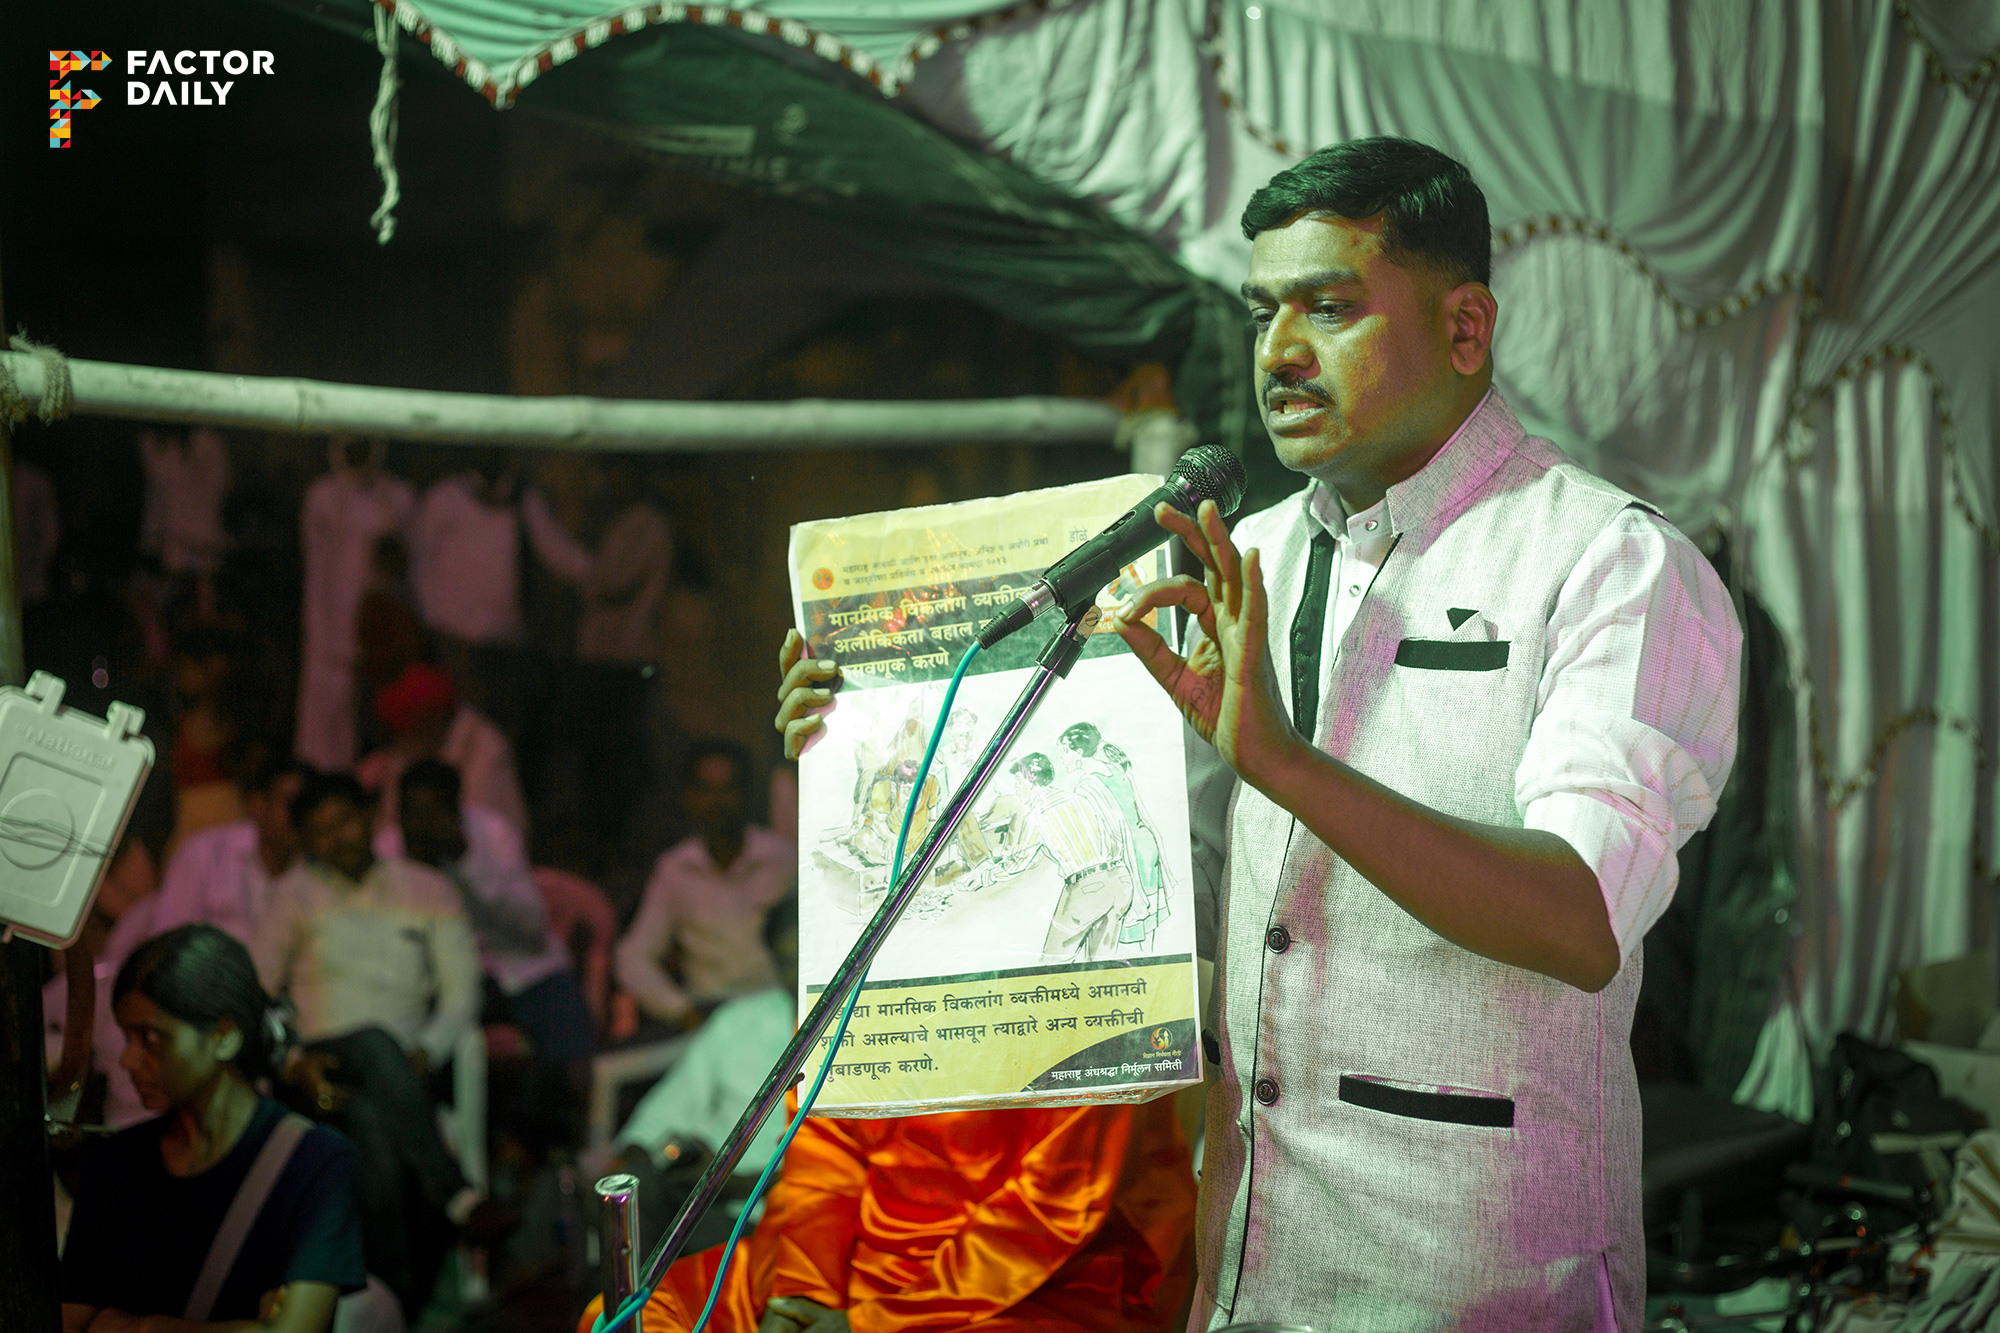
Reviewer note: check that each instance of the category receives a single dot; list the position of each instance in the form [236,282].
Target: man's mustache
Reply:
[1299,389]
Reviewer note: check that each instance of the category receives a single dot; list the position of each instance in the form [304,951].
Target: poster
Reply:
[1049,955]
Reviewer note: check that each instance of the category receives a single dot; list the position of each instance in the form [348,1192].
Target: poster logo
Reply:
[65,101]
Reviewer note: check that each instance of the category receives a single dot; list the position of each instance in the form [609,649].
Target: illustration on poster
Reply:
[1073,808]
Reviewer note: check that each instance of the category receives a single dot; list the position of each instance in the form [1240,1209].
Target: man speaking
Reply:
[1474,699]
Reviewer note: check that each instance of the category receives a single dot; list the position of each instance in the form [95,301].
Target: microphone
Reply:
[1209,472]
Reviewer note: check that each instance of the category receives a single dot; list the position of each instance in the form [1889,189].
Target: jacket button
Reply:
[1267,1091]
[1278,939]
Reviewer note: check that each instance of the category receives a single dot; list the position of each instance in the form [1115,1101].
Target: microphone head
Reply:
[1210,472]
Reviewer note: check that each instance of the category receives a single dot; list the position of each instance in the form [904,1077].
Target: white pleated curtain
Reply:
[1748,261]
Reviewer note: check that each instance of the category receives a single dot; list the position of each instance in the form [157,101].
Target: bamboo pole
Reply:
[317,407]
[29,1297]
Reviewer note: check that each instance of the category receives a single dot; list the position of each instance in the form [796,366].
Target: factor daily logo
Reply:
[64,100]
[154,79]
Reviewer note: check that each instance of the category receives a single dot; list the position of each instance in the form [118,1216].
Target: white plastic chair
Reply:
[465,1126]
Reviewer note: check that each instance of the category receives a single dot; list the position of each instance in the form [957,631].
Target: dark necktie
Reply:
[1309,634]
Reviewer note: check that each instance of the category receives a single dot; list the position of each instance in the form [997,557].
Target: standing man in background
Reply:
[623,585]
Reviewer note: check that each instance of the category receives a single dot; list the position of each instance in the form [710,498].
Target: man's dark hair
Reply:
[434,776]
[202,975]
[269,764]
[319,788]
[1083,738]
[1035,767]
[710,746]
[1433,215]
[261,763]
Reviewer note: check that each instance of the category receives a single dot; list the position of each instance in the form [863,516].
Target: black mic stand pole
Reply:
[1054,662]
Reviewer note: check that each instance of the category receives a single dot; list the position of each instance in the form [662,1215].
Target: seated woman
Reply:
[224,1212]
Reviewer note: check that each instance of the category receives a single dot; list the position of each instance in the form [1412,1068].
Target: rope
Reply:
[56,395]
[382,129]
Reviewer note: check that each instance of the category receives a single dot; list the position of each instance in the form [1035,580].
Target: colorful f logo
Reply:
[63,101]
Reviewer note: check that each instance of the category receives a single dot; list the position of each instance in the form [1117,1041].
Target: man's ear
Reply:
[1470,312]
[230,1044]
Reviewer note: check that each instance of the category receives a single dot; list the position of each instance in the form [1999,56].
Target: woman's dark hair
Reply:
[202,975]
[1433,215]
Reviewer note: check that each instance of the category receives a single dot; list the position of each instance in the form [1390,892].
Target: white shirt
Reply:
[394,951]
[714,917]
[1628,712]
[344,512]
[623,584]
[464,563]
[500,897]
[216,875]
[717,1077]
[185,487]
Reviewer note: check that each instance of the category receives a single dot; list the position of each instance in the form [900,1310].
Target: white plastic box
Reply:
[67,785]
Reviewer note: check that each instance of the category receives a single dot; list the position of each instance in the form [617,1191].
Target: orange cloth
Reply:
[1064,1219]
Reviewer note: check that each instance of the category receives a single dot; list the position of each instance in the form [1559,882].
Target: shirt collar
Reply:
[338,879]
[1488,433]
[754,837]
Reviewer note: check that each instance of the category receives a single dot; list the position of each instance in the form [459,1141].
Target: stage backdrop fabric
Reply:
[1746,258]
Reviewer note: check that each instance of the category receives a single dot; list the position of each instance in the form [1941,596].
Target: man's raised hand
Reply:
[1224,686]
[807,685]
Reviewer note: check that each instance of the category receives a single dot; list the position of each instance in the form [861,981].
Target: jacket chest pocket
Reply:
[1482,1110]
[1453,654]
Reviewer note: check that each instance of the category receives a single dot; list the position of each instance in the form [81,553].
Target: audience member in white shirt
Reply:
[465,553]
[707,897]
[700,1099]
[622,584]
[379,962]
[690,1111]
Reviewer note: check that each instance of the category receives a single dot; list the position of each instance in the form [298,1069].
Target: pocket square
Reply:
[1467,624]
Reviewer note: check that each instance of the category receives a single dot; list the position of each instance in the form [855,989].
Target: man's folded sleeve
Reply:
[1635,731]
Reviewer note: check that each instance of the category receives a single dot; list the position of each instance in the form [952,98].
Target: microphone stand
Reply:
[1054,663]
